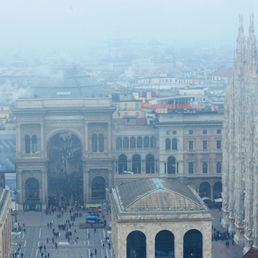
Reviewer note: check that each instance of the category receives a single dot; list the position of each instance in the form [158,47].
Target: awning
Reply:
[207,198]
[218,200]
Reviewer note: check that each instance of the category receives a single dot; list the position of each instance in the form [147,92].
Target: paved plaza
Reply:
[37,233]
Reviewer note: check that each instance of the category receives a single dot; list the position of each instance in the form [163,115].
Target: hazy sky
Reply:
[71,24]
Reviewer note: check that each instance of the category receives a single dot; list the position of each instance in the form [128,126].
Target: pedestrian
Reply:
[56,245]
[45,247]
[88,235]
[47,240]
[48,225]
[109,245]
[95,251]
[48,255]
[103,245]
[21,255]
[75,231]
[233,243]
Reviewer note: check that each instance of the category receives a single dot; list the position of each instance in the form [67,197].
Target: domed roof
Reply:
[67,84]
[157,195]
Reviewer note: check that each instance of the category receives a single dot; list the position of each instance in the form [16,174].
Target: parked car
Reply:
[128,172]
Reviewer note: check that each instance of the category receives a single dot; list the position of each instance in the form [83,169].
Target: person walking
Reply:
[47,240]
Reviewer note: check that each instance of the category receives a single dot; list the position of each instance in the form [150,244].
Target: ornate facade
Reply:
[240,134]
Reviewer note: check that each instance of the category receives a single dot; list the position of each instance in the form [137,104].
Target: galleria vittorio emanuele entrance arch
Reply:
[65,176]
[64,141]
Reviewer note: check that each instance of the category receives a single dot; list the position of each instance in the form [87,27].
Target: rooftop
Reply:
[157,195]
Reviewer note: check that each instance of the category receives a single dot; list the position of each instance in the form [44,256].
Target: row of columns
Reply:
[86,132]
[143,165]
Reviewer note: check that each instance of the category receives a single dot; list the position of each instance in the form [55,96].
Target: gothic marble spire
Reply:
[252,50]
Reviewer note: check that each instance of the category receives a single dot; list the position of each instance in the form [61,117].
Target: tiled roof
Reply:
[156,194]
[252,253]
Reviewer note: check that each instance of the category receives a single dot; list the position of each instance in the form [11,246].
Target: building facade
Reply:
[6,224]
[240,188]
[160,218]
[69,146]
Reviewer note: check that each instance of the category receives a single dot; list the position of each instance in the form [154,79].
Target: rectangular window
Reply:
[218,131]
[137,106]
[219,144]
[125,106]
[190,131]
[204,145]
[190,145]
[167,132]
[137,114]
[204,131]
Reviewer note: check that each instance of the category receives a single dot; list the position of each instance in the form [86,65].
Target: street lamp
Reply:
[15,192]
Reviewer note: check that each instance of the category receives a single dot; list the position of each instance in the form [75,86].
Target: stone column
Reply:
[18,127]
[207,247]
[155,167]
[150,244]
[109,138]
[162,168]
[19,187]
[178,246]
[143,170]
[86,196]
[129,164]
[212,192]
[86,138]
[42,138]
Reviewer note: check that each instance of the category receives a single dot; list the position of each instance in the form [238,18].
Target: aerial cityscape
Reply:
[125,137]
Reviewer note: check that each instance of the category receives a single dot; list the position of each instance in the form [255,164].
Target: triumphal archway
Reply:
[64,143]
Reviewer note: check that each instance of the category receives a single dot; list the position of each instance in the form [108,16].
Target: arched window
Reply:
[193,244]
[190,168]
[27,144]
[164,244]
[171,165]
[205,190]
[125,143]
[174,144]
[139,142]
[136,164]
[132,143]
[32,189]
[146,142]
[153,142]
[168,144]
[217,189]
[122,164]
[136,245]
[94,143]
[34,143]
[119,143]
[101,142]
[98,188]
[149,164]
[218,167]
[205,168]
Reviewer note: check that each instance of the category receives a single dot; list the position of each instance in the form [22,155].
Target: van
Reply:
[93,219]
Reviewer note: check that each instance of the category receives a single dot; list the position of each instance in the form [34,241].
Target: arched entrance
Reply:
[136,245]
[217,189]
[32,202]
[205,190]
[193,244]
[164,244]
[171,165]
[149,164]
[122,164]
[136,164]
[98,188]
[65,178]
